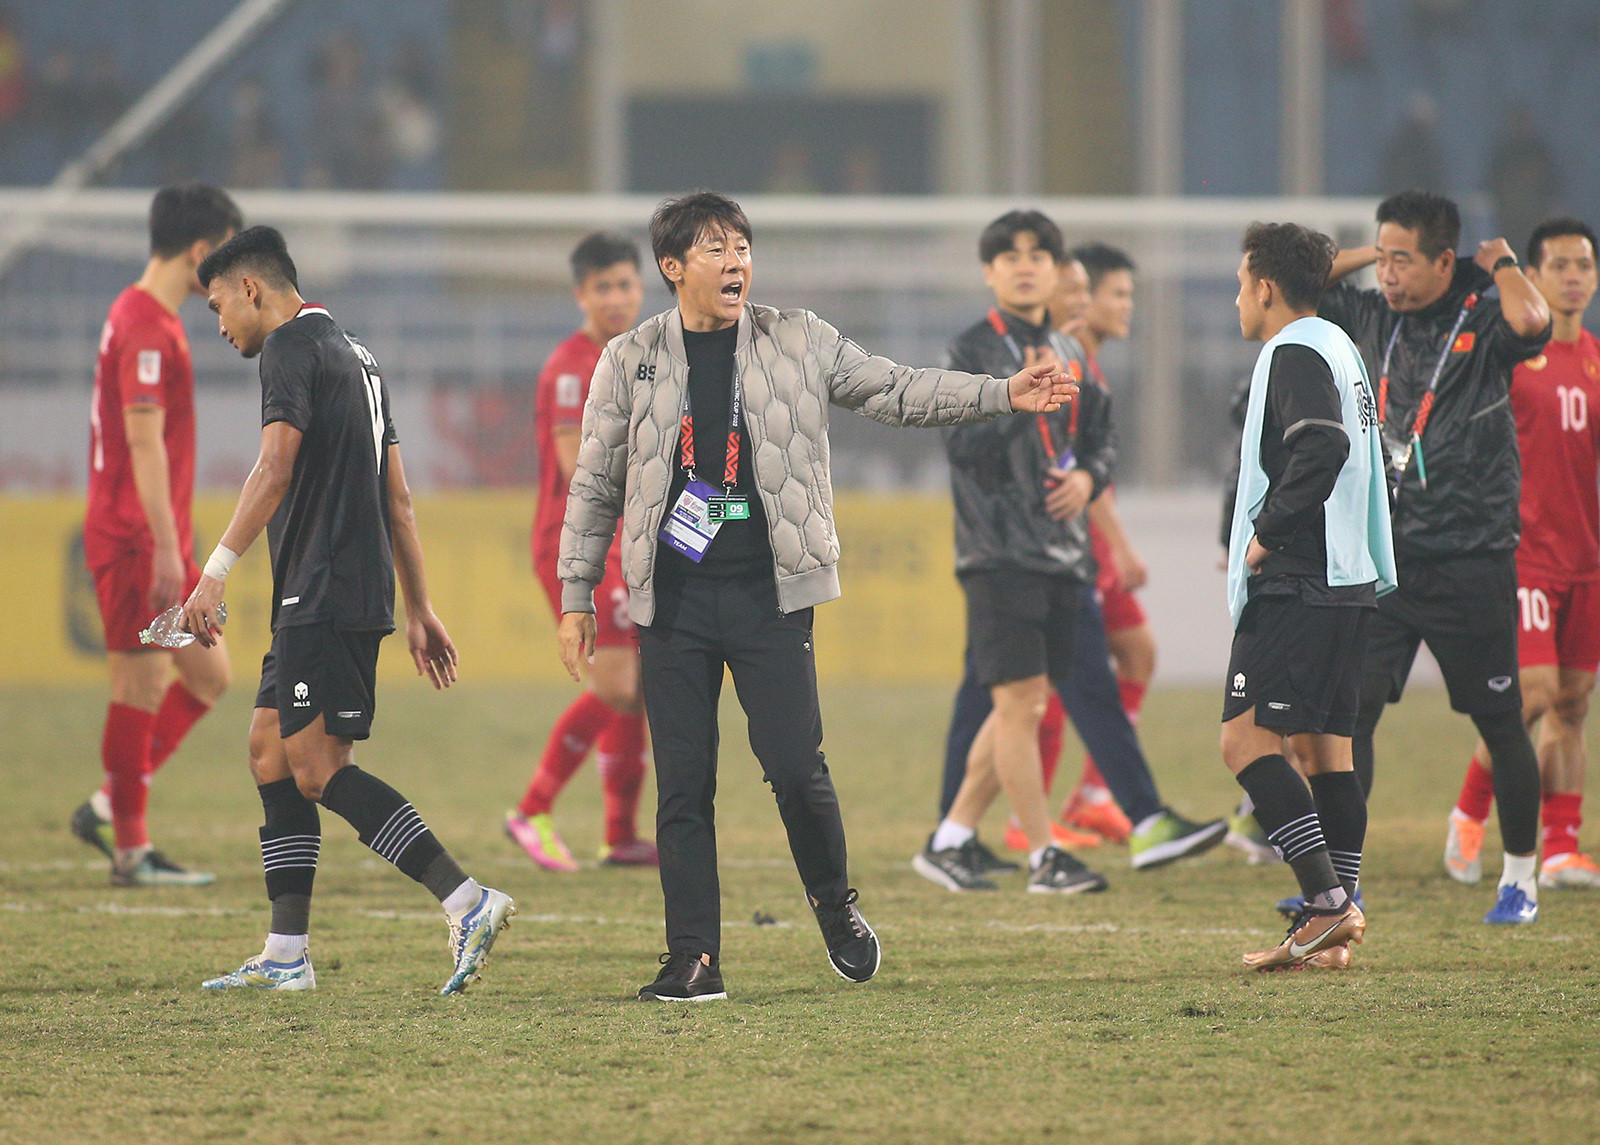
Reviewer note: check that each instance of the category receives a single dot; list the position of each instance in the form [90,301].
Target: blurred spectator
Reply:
[349,148]
[861,170]
[1414,160]
[408,104]
[255,152]
[1346,27]
[790,172]
[1522,178]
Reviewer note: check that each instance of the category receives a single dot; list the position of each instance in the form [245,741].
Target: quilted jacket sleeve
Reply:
[595,500]
[902,395]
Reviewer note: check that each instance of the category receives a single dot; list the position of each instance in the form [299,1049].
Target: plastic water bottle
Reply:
[167,629]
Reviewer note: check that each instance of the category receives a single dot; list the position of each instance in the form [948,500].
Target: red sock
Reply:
[125,753]
[1477,792]
[570,740]
[1132,698]
[1051,730]
[180,711]
[1562,814]
[619,753]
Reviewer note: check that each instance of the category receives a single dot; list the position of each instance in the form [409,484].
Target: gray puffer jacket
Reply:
[792,365]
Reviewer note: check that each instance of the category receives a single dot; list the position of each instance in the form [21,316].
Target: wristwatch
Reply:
[1502,262]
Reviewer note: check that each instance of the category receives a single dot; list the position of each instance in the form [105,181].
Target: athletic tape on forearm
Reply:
[220,561]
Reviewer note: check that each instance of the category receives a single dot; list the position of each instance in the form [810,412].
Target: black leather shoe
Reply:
[685,978]
[852,946]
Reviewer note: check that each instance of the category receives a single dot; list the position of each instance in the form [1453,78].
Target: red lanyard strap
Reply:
[1425,406]
[998,321]
[730,467]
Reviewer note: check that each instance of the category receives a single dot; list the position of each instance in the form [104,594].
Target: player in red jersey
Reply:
[1122,571]
[1556,400]
[609,715]
[137,533]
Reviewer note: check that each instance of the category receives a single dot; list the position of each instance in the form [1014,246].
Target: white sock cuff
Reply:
[459,901]
[951,835]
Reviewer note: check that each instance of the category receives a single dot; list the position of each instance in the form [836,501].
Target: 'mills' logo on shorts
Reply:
[1238,684]
[301,695]
[1500,683]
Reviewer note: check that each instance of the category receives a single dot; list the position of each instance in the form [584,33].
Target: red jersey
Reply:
[1556,399]
[563,388]
[144,360]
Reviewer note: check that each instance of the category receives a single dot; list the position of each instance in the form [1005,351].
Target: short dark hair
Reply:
[1001,235]
[677,223]
[259,250]
[1100,259]
[600,251]
[1555,229]
[1434,217]
[182,216]
[1297,259]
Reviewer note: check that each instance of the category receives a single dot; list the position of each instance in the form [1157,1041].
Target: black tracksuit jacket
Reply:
[1470,443]
[997,468]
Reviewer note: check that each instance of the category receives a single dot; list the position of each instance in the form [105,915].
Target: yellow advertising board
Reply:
[901,617]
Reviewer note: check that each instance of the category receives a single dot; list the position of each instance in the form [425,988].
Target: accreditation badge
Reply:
[729,507]
[690,526]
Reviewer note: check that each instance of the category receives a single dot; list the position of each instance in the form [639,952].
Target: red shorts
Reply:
[1560,622]
[1122,610]
[613,628]
[123,590]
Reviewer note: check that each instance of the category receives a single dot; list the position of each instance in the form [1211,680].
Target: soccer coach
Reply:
[705,431]
[1442,355]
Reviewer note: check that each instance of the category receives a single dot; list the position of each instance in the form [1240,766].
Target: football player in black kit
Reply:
[330,490]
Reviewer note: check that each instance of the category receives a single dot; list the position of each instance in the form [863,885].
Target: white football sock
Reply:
[459,901]
[1522,871]
[285,947]
[950,835]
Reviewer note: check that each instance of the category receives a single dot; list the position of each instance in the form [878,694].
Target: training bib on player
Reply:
[691,527]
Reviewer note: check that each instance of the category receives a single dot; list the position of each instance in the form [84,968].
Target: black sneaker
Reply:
[954,869]
[685,978]
[987,862]
[94,830]
[1061,874]
[852,946]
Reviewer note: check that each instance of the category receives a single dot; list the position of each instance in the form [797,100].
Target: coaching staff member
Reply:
[706,432]
[1442,354]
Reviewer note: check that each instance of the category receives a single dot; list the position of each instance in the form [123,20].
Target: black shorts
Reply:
[315,669]
[1298,665]
[1020,624]
[1466,609]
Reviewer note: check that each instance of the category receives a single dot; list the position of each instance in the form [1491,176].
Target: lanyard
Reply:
[1425,407]
[730,468]
[998,321]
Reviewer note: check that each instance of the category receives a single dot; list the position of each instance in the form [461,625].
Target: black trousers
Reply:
[702,624]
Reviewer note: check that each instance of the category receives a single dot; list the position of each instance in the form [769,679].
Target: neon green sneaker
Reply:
[536,834]
[1245,835]
[1171,837]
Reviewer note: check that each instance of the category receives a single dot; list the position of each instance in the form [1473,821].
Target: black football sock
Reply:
[1363,755]
[391,827]
[291,840]
[1342,810]
[1286,813]
[1515,768]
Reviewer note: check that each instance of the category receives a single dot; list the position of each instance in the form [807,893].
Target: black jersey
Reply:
[331,556]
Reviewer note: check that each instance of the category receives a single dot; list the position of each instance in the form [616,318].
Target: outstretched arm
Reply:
[259,499]
[430,645]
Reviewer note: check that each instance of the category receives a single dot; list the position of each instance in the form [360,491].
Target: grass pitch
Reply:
[996,1018]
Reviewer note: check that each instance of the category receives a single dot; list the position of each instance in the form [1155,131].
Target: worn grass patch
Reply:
[1002,1017]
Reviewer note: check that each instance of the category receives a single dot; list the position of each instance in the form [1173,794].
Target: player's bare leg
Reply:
[1562,762]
